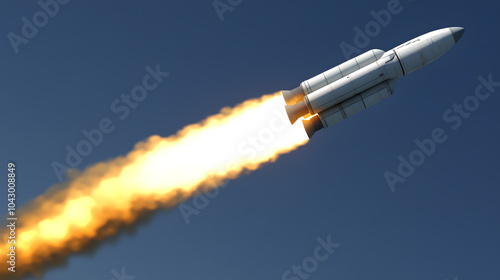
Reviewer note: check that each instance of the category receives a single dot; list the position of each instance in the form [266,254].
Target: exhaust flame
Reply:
[159,172]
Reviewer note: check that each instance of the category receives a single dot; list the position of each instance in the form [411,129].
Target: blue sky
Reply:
[441,223]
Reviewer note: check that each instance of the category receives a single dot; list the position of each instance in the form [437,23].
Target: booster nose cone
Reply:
[457,33]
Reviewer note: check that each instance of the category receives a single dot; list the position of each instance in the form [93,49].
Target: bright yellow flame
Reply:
[78,211]
[159,171]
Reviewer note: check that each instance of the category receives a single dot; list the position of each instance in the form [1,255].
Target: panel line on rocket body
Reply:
[329,94]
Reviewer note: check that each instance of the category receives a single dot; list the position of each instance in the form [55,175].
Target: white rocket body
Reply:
[364,80]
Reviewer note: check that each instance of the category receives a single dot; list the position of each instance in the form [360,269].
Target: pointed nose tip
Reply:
[457,33]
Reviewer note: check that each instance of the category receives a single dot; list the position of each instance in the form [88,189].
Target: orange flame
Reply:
[158,172]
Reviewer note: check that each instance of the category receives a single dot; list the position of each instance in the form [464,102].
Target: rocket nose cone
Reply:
[457,33]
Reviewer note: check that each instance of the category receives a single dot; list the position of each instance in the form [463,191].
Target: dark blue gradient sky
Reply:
[441,223]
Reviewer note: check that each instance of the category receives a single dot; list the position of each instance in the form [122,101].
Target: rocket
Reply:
[363,81]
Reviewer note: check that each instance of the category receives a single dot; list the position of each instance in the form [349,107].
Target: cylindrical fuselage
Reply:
[358,75]
[387,67]
[340,71]
[393,64]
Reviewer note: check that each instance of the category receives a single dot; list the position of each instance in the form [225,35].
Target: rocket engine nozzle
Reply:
[296,111]
[312,125]
[293,96]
